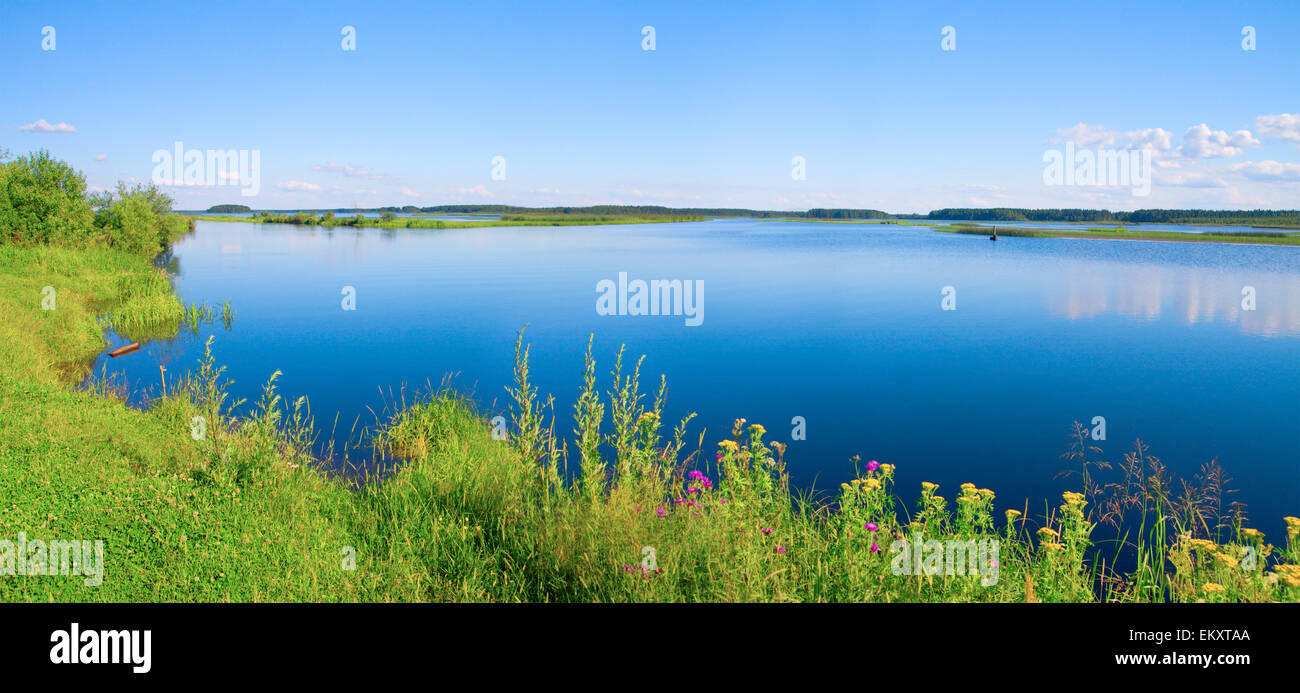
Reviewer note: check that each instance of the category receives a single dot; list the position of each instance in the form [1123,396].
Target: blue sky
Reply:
[883,117]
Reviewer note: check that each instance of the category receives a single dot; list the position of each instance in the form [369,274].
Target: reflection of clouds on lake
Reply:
[1192,296]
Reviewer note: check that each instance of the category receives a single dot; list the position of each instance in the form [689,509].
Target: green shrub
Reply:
[42,200]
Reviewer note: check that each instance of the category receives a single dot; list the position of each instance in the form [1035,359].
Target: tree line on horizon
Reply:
[1266,217]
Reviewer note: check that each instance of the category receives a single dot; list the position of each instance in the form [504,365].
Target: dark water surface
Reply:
[841,324]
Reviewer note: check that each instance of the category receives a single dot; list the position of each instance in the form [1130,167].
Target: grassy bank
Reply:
[243,514]
[392,221]
[1127,233]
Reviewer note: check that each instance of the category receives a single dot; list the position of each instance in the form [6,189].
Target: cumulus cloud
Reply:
[1200,142]
[1098,137]
[479,189]
[1279,126]
[349,170]
[409,192]
[101,157]
[1087,136]
[298,186]
[1268,171]
[43,126]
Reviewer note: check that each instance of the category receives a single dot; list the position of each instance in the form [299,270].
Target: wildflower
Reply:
[695,474]
[927,486]
[1012,515]
[887,468]
[870,527]
[661,512]
[968,487]
[1252,533]
[766,530]
[1292,524]
[873,466]
[873,484]
[1055,546]
[1213,587]
[757,430]
[680,500]
[1225,559]
[780,549]
[1048,532]
[875,548]
[729,445]
[1289,573]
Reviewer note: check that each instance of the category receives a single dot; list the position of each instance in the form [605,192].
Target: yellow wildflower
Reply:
[1213,587]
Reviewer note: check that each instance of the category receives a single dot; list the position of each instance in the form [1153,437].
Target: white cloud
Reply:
[479,189]
[1200,142]
[297,185]
[1097,137]
[1156,139]
[409,192]
[101,157]
[43,126]
[1280,126]
[1086,136]
[1268,171]
[348,170]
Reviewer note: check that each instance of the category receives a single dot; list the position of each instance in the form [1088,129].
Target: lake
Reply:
[841,324]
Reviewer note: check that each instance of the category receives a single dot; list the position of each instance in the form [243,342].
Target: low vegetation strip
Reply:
[1123,233]
[393,221]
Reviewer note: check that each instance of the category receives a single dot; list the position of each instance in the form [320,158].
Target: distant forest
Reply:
[1257,217]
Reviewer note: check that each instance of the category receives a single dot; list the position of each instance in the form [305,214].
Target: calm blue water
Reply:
[838,323]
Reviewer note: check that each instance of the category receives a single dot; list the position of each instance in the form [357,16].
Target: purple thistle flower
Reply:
[873,466]
[780,549]
[870,527]
[766,530]
[875,548]
[660,511]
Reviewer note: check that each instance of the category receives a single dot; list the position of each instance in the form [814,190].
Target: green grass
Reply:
[243,513]
[422,223]
[1127,233]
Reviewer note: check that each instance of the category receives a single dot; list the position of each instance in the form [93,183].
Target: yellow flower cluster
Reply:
[1046,532]
[757,430]
[1213,587]
[1252,533]
[927,486]
[1075,499]
[729,445]
[1012,515]
[1226,560]
[1289,574]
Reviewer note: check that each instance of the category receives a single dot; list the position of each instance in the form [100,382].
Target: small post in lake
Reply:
[994,237]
